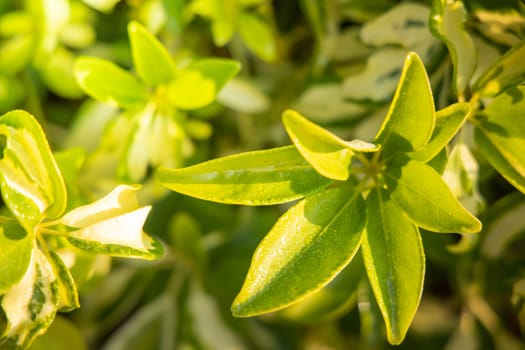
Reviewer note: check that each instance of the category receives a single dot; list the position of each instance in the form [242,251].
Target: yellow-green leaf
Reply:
[448,121]
[151,59]
[507,71]
[425,198]
[326,152]
[15,253]
[273,176]
[106,82]
[411,117]
[500,135]
[307,247]
[394,262]
[257,35]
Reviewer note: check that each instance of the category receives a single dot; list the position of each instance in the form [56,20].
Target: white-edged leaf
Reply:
[30,180]
[113,225]
[30,305]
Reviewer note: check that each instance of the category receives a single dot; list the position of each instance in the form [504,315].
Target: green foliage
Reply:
[382,141]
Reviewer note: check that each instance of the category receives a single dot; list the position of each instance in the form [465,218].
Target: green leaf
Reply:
[57,73]
[425,198]
[500,136]
[113,225]
[448,121]
[191,90]
[15,254]
[67,289]
[220,70]
[257,35]
[507,71]
[447,23]
[332,301]
[30,180]
[410,120]
[15,54]
[30,305]
[61,335]
[273,176]
[106,82]
[326,152]
[152,61]
[395,263]
[307,247]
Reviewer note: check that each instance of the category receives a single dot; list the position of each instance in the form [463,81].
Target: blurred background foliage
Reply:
[335,61]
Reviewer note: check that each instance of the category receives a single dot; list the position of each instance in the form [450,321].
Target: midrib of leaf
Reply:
[391,291]
[304,251]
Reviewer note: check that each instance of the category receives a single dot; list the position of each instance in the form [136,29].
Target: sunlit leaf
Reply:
[326,152]
[447,23]
[448,121]
[395,263]
[191,90]
[30,305]
[500,135]
[425,198]
[265,177]
[29,177]
[410,120]
[106,82]
[113,225]
[220,70]
[306,248]
[507,71]
[151,59]
[257,35]
[15,253]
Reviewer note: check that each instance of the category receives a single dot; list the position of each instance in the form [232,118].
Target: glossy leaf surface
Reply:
[448,121]
[501,137]
[394,262]
[507,71]
[29,177]
[425,198]
[220,70]
[106,82]
[410,120]
[15,253]
[304,251]
[326,152]
[265,177]
[151,60]
[447,23]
